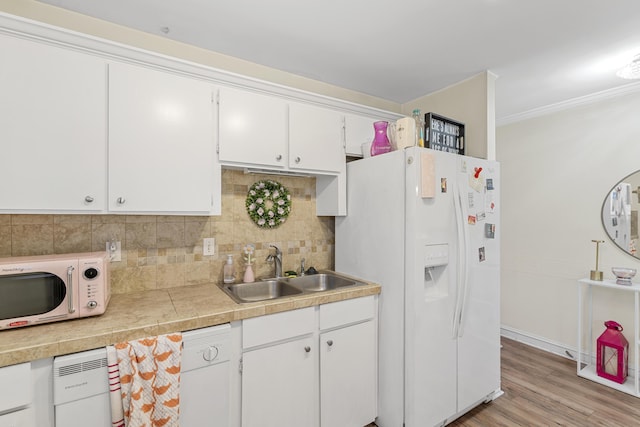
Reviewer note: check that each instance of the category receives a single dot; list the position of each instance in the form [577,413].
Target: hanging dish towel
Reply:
[149,381]
[115,393]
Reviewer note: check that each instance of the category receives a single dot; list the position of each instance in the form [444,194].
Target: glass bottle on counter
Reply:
[229,270]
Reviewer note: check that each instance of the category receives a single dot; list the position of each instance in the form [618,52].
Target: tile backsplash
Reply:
[166,251]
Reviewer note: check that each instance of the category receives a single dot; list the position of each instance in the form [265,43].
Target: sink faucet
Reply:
[301,273]
[277,258]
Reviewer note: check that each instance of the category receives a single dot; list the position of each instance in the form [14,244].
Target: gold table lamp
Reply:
[596,274]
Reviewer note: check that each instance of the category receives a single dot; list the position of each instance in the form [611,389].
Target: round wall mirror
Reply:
[620,214]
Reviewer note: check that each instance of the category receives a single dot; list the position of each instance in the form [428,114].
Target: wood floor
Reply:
[542,389]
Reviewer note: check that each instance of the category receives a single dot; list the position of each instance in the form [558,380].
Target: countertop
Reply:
[140,314]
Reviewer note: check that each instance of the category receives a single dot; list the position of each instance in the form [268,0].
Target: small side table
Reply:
[588,371]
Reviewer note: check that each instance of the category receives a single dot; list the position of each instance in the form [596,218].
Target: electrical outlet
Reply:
[209,246]
[114,251]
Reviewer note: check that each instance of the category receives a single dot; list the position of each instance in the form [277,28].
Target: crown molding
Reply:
[571,103]
[111,50]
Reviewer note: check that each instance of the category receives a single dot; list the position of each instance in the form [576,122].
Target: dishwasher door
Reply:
[81,386]
[205,378]
[81,389]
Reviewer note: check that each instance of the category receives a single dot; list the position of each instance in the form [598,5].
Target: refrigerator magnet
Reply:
[490,231]
[489,203]
[476,183]
[443,185]
[490,184]
[471,219]
[481,255]
[481,216]
[427,175]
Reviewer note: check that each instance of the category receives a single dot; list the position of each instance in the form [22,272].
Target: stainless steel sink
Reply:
[260,291]
[285,287]
[321,282]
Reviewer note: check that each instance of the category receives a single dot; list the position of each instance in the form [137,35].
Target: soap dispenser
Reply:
[229,273]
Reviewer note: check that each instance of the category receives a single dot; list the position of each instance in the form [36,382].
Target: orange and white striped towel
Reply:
[149,373]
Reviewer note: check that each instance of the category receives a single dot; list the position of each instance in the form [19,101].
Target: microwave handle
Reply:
[70,286]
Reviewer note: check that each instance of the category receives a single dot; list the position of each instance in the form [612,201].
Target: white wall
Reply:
[472,102]
[556,172]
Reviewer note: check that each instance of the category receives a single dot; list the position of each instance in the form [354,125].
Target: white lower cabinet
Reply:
[277,385]
[26,394]
[348,376]
[312,367]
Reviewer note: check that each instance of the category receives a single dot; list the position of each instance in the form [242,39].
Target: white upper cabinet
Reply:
[161,143]
[266,131]
[358,130]
[52,128]
[253,129]
[92,126]
[316,139]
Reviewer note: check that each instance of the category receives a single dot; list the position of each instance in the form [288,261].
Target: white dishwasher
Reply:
[81,386]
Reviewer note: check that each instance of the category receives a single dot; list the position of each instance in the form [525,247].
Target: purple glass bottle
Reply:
[380,144]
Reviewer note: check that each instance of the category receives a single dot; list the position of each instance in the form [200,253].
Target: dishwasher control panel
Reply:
[204,347]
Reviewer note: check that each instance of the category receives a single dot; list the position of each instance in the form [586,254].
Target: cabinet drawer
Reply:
[22,418]
[15,386]
[278,326]
[344,312]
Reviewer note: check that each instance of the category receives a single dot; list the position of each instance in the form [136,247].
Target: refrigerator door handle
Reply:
[461,259]
[463,280]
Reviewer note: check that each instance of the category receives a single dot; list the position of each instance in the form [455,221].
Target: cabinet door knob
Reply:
[279,157]
[298,159]
[307,349]
[88,199]
[330,343]
[121,200]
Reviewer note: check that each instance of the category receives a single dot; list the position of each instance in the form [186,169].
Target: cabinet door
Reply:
[52,128]
[253,128]
[358,130]
[315,138]
[348,384]
[161,142]
[279,385]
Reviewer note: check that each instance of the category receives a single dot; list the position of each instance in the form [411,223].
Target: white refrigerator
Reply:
[425,225]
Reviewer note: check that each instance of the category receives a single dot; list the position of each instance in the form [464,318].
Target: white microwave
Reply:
[50,288]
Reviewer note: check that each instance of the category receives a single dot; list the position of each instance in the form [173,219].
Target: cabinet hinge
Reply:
[240,366]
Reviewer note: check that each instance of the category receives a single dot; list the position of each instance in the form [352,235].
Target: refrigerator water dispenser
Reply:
[436,259]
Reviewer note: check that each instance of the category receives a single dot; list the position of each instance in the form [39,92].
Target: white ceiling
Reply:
[544,51]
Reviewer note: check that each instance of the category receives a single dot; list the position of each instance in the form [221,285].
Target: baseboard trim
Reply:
[550,346]
[539,342]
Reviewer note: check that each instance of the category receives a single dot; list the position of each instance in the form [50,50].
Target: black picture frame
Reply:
[443,134]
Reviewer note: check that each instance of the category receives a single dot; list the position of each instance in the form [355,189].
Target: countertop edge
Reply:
[155,312]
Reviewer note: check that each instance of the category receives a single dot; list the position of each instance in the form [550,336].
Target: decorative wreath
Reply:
[268,204]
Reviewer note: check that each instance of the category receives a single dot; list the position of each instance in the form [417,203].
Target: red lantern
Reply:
[613,353]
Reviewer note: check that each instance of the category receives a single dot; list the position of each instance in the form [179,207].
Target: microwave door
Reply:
[32,294]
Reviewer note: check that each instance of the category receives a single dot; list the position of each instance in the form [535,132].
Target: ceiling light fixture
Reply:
[631,70]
